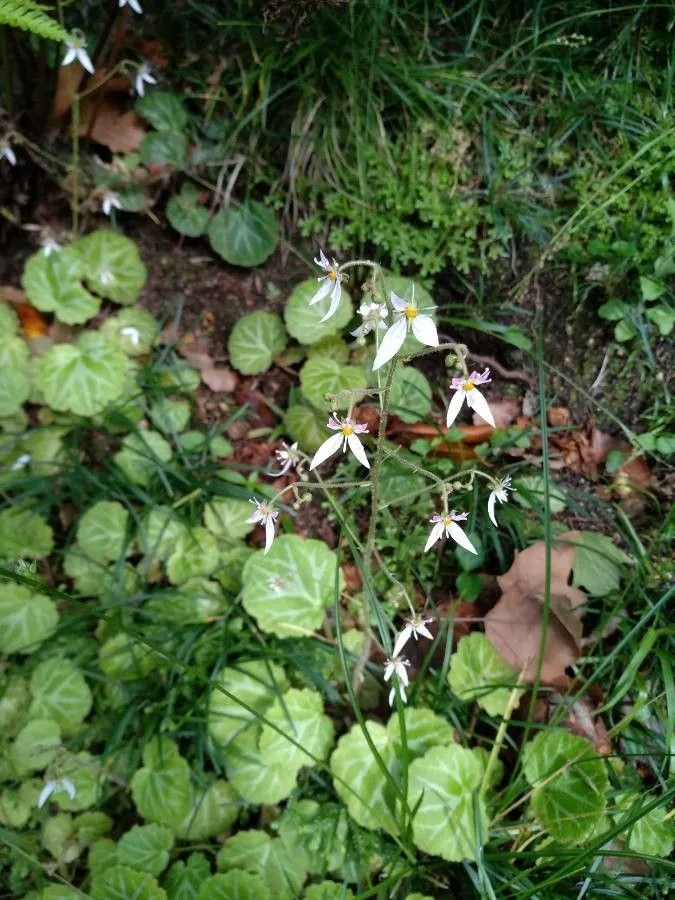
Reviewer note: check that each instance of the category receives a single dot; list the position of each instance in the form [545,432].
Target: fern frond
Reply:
[31,17]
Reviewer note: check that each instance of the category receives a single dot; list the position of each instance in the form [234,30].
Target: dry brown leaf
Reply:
[119,131]
[12,294]
[504,411]
[218,378]
[33,323]
[559,416]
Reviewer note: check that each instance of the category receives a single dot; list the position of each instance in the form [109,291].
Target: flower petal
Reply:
[460,538]
[323,291]
[424,631]
[479,404]
[328,448]
[69,57]
[83,57]
[491,508]
[356,447]
[455,406]
[398,304]
[402,640]
[269,533]
[435,535]
[391,343]
[45,794]
[392,694]
[388,671]
[334,301]
[69,787]
[402,674]
[424,329]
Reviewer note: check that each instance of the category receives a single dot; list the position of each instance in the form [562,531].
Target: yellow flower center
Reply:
[264,510]
[469,385]
[332,276]
[347,430]
[410,312]
[447,520]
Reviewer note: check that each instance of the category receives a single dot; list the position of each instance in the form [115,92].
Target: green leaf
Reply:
[529,492]
[142,455]
[451,817]
[570,783]
[663,318]
[61,693]
[305,426]
[30,17]
[331,347]
[184,879]
[598,562]
[328,890]
[102,531]
[159,533]
[146,847]
[14,698]
[24,533]
[124,883]
[161,789]
[424,730]
[194,602]
[254,341]
[612,311]
[16,806]
[35,746]
[227,517]
[164,110]
[54,284]
[196,553]
[316,833]
[133,330]
[82,769]
[212,812]
[255,683]
[653,833]
[126,658]
[26,619]
[102,856]
[478,673]
[269,858]
[245,236]
[93,579]
[299,713]
[164,148]
[320,377]
[288,589]
[9,321]
[256,780]
[90,826]
[169,415]
[303,321]
[82,378]
[14,374]
[234,885]
[651,289]
[624,331]
[111,264]
[57,838]
[185,213]
[410,395]
[398,485]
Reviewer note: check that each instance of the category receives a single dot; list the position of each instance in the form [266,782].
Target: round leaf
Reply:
[305,426]
[133,330]
[146,848]
[227,517]
[256,780]
[124,883]
[170,416]
[245,236]
[124,657]
[164,148]
[234,885]
[212,812]
[184,879]
[159,532]
[35,745]
[60,693]
[14,374]
[410,395]
[185,213]
[299,713]
[112,266]
[102,531]
[24,533]
[54,284]
[256,852]
[164,110]
[9,321]
[304,321]
[320,377]
[328,890]
[196,553]
[478,672]
[161,789]
[26,619]
[255,683]
[254,341]
[142,455]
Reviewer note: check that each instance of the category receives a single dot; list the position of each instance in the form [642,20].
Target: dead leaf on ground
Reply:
[581,718]
[33,323]
[559,416]
[119,130]
[504,410]
[218,378]
[12,294]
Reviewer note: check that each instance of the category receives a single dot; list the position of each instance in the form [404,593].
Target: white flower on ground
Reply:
[466,389]
[49,246]
[409,318]
[498,493]
[374,316]
[132,333]
[414,627]
[132,4]
[59,784]
[348,435]
[331,283]
[447,524]
[287,457]
[7,153]
[142,77]
[111,199]
[266,516]
[76,49]
[396,666]
[20,462]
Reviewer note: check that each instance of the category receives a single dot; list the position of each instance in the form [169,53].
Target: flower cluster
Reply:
[397,666]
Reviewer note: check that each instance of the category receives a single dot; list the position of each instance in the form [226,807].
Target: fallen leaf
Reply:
[582,719]
[558,416]
[118,130]
[218,378]
[12,294]
[32,321]
[504,412]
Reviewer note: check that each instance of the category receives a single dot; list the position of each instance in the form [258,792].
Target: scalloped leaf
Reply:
[288,589]
[112,265]
[234,885]
[54,284]
[61,693]
[26,619]
[321,377]
[170,415]
[159,532]
[184,879]
[570,783]
[212,812]
[161,789]
[195,602]
[186,214]
[164,110]
[331,347]
[317,833]
[269,858]
[82,770]
[653,833]
[124,883]
[256,683]
[196,553]
[227,517]
[142,456]
[14,374]
[303,321]
[254,342]
[305,426]
[133,330]
[102,531]
[328,890]
[256,780]
[23,533]
[478,672]
[410,396]
[126,658]
[146,848]
[35,746]
[246,235]
[424,729]
[299,713]
[164,148]
[398,485]
[9,321]
[82,378]
[14,698]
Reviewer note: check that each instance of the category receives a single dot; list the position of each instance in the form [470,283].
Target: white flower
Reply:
[49,246]
[330,284]
[7,153]
[60,784]
[76,50]
[288,457]
[132,333]
[110,199]
[373,315]
[348,434]
[396,666]
[266,516]
[20,462]
[466,389]
[132,4]
[143,76]
[409,319]
[498,493]
[447,524]
[414,626]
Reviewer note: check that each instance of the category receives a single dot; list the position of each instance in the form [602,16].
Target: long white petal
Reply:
[323,291]
[83,57]
[402,640]
[69,787]
[424,631]
[388,671]
[328,448]
[392,694]
[269,533]
[334,302]
[460,538]
[455,406]
[10,156]
[403,675]
[424,329]
[69,57]
[391,343]
[478,403]
[491,508]
[356,447]
[45,794]
[435,535]
[397,302]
